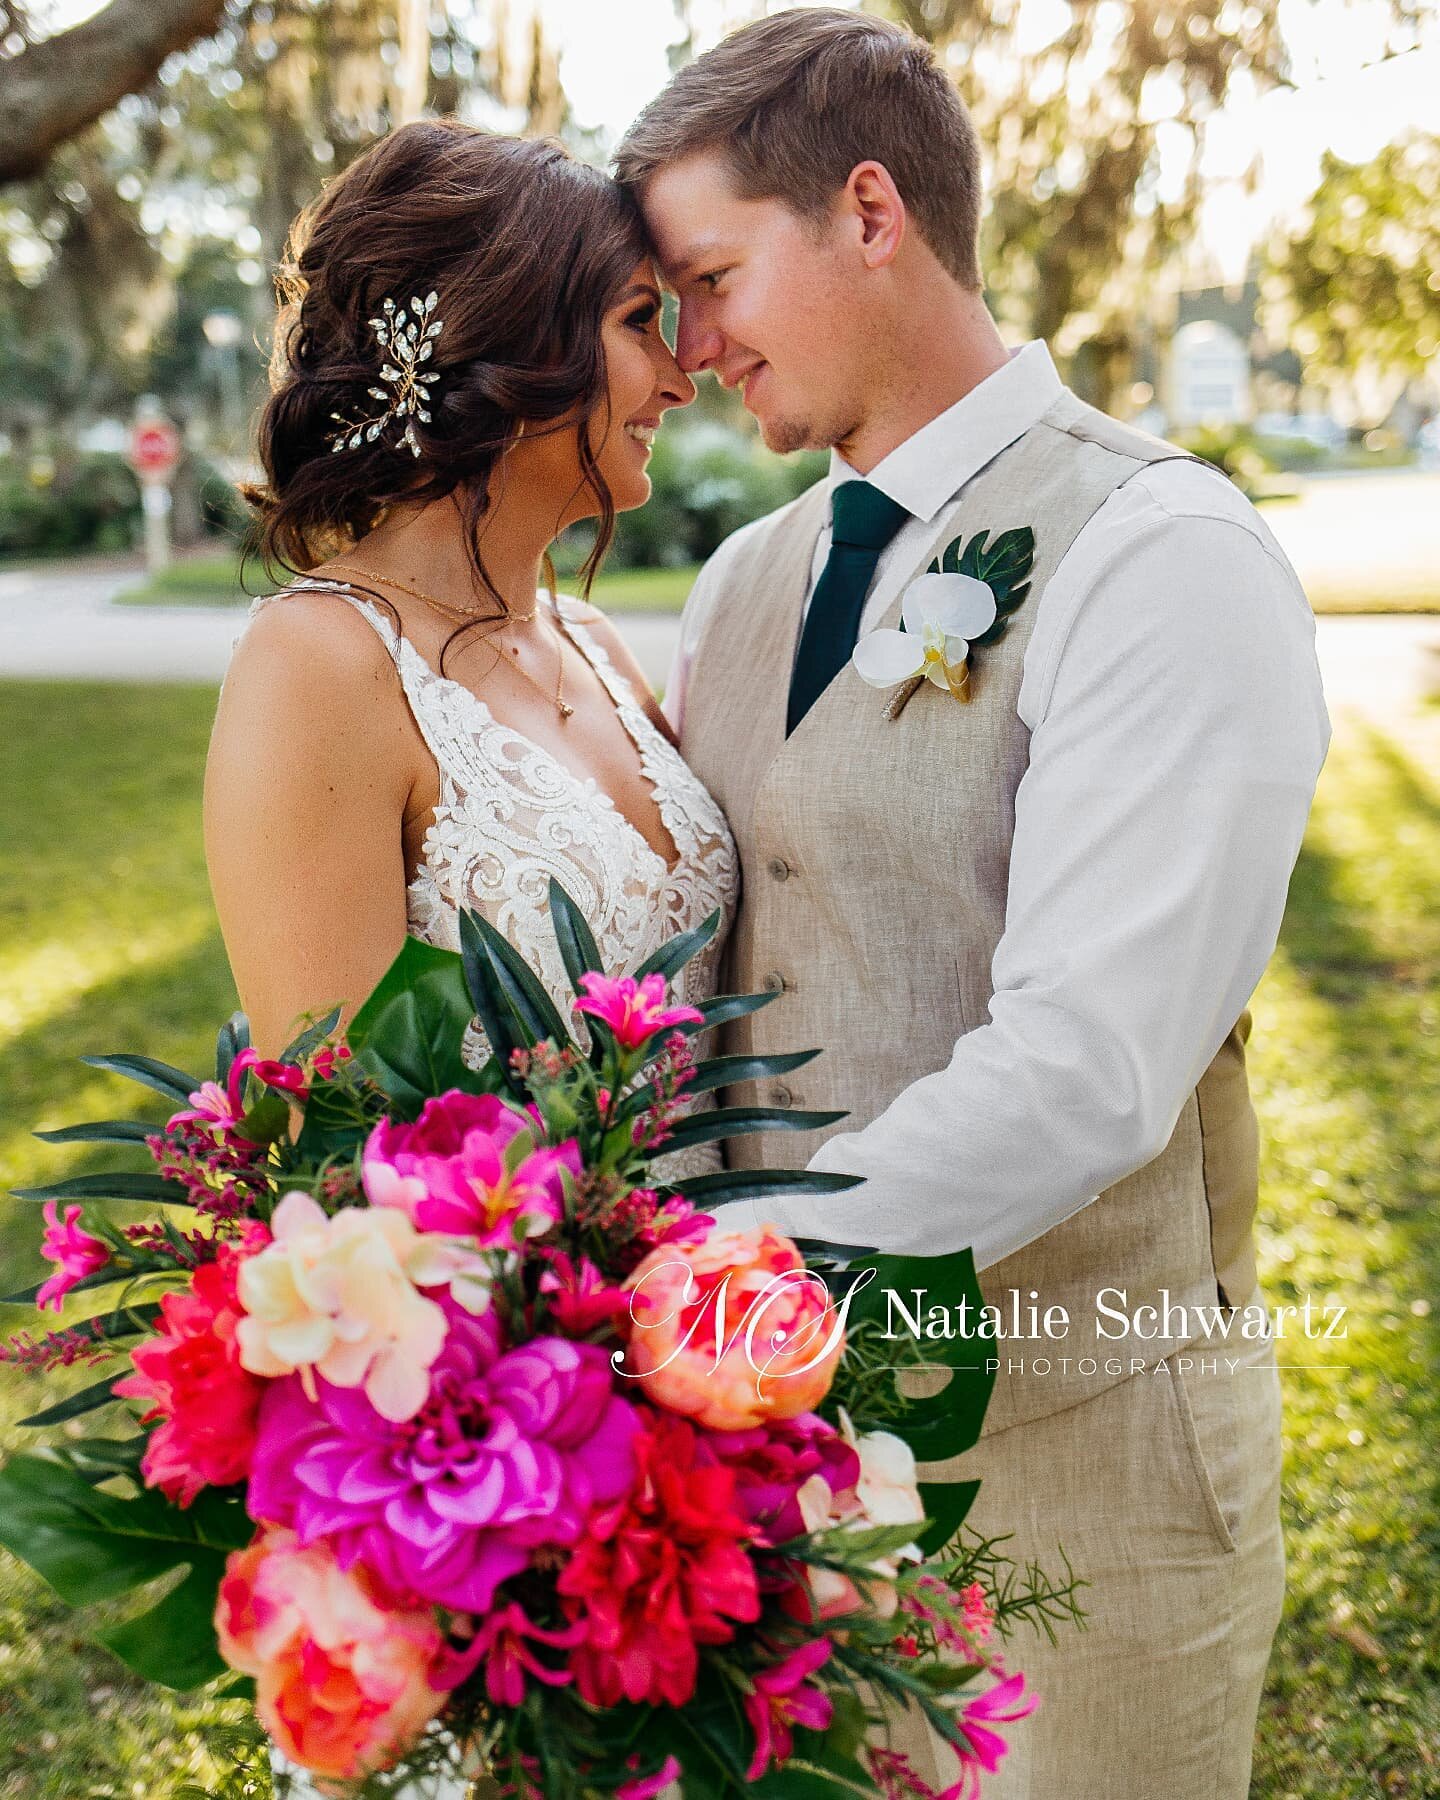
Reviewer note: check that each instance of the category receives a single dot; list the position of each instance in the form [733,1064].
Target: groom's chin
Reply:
[783,436]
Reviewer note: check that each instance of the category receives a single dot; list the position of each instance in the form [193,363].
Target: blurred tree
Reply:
[1077,225]
[1360,278]
[174,207]
[57,85]
[1071,128]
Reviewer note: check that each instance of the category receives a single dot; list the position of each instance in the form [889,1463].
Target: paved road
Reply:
[59,623]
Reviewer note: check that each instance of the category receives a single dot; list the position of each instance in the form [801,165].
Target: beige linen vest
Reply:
[875,856]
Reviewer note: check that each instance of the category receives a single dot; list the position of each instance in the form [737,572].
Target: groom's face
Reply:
[767,301]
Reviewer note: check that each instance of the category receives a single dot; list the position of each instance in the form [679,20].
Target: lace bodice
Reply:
[510,815]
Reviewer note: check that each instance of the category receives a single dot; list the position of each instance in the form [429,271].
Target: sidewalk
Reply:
[57,623]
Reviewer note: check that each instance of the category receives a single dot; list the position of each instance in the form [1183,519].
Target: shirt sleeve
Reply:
[1156,827]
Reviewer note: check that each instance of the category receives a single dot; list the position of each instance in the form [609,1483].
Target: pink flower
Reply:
[74,1252]
[207,1404]
[345,1679]
[634,1010]
[326,1061]
[467,1167]
[580,1297]
[782,1700]
[646,1787]
[732,1330]
[1002,1705]
[512,1450]
[211,1104]
[501,1643]
[774,1462]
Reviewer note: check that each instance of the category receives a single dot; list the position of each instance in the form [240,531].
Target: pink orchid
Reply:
[782,1700]
[1001,1705]
[634,1010]
[500,1644]
[458,1169]
[211,1104]
[75,1253]
[646,1787]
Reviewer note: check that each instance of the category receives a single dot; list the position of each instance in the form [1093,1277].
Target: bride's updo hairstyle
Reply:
[526,249]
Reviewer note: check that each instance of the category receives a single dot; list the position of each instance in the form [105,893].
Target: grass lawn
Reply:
[107,942]
[215,581]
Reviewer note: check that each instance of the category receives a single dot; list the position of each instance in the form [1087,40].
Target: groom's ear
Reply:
[871,198]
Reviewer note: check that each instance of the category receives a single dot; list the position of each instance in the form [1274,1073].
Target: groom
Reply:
[1025,924]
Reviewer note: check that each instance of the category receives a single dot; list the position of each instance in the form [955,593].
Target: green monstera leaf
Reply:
[93,1545]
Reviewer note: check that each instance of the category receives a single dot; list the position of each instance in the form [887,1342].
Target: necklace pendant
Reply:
[565,709]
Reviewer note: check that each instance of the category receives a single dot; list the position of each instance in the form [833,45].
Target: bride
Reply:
[468,358]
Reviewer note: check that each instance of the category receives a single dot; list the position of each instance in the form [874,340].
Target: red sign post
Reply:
[153,453]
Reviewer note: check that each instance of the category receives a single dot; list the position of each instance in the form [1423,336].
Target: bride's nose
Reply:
[675,388]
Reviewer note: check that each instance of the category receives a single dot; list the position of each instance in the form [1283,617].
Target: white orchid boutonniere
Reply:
[962,603]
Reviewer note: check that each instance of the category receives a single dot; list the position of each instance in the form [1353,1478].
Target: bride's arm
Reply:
[310,771]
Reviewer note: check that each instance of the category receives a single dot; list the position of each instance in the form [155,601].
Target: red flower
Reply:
[206,1403]
[659,1573]
[634,1010]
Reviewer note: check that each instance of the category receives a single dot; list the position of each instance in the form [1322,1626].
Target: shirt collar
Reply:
[933,464]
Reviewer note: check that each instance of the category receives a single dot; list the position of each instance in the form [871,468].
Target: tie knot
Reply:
[861,515]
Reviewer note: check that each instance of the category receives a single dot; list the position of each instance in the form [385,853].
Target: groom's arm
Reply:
[1178,729]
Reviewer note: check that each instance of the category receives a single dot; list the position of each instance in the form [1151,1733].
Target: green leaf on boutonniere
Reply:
[1004,566]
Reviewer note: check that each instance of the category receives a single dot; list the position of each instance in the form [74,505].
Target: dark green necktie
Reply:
[863,522]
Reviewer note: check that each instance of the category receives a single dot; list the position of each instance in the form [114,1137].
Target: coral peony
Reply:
[732,1330]
[340,1297]
[345,1679]
[205,1402]
[634,1010]
[660,1573]
[460,1169]
[510,1450]
[784,1699]
[73,1251]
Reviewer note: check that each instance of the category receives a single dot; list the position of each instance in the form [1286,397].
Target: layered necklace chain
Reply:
[463,616]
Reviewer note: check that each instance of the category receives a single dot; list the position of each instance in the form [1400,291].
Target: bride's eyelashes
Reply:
[643,317]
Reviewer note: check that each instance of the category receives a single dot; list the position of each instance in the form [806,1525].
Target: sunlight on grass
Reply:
[99,810]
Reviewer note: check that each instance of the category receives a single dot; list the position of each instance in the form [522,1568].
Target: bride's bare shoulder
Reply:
[312,640]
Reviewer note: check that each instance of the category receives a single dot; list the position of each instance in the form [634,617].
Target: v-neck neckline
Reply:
[586,787]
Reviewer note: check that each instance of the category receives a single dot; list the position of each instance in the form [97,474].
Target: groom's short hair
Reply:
[795,101]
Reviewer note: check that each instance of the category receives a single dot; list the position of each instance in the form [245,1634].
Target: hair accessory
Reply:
[407,340]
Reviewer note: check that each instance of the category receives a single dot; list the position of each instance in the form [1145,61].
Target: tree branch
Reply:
[55,88]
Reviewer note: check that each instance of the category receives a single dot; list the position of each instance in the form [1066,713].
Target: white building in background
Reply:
[1209,376]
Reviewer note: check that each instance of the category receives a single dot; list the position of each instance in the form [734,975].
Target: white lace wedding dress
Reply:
[511,816]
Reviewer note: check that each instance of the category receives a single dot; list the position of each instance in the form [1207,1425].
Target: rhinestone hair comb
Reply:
[406,339]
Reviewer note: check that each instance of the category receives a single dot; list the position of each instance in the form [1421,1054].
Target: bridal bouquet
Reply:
[471,1446]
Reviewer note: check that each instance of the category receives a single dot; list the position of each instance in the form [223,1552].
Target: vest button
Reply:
[781,1096]
[779,868]
[773,983]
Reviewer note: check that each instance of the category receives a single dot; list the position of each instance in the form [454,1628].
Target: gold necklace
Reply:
[464,615]
[557,700]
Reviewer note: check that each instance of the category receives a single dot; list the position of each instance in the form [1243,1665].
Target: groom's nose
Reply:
[698,343]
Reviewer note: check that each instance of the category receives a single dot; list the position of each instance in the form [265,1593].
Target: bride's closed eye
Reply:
[643,317]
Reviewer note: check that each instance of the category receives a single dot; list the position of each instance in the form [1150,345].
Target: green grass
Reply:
[107,941]
[215,581]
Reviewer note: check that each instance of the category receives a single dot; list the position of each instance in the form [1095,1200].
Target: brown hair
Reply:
[795,101]
[526,247]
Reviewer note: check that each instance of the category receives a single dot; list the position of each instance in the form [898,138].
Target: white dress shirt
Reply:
[1178,728]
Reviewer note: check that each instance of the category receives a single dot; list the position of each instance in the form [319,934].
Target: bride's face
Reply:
[643,381]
